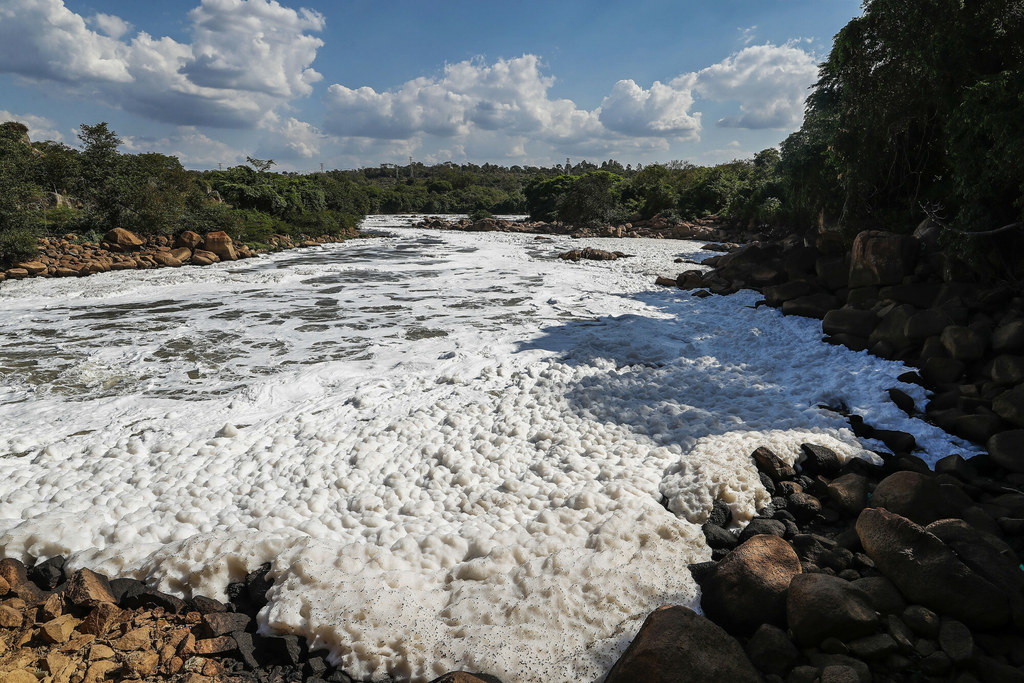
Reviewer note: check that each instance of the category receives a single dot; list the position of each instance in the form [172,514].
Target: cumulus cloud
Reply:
[510,95]
[770,82]
[188,144]
[662,110]
[247,58]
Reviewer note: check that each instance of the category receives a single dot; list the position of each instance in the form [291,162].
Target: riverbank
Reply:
[695,359]
[74,256]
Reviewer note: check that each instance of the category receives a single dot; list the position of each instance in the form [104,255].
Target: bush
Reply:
[480,214]
[17,244]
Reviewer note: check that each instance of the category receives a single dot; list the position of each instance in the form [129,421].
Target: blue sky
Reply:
[361,82]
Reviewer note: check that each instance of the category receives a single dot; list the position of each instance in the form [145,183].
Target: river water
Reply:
[457,451]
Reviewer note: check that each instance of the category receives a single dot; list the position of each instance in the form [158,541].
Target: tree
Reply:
[593,199]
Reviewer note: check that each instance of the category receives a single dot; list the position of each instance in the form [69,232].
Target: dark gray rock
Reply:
[1007,449]
[772,465]
[916,496]
[771,650]
[819,460]
[819,606]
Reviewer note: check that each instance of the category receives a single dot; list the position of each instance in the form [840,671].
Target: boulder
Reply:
[882,592]
[811,306]
[123,239]
[677,644]
[771,650]
[1007,449]
[691,279]
[819,460]
[918,497]
[1009,405]
[849,320]
[1009,338]
[963,343]
[820,606]
[927,571]
[748,587]
[927,323]
[181,253]
[779,294]
[849,492]
[188,240]
[892,328]
[881,258]
[87,588]
[220,244]
[772,465]
[165,258]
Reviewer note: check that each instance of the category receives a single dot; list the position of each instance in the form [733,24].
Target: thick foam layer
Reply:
[457,451]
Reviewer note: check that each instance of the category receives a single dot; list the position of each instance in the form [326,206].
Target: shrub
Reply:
[17,244]
[480,214]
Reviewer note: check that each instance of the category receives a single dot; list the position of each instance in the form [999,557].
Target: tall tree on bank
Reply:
[913,113]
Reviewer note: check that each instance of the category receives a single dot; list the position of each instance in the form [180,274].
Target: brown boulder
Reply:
[963,343]
[916,496]
[1007,449]
[1009,405]
[677,644]
[772,465]
[881,258]
[127,241]
[819,606]
[849,492]
[849,320]
[33,267]
[164,258]
[188,240]
[748,587]
[220,244]
[88,588]
[181,253]
[928,572]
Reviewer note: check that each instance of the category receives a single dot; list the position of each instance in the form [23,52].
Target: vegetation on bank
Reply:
[916,114]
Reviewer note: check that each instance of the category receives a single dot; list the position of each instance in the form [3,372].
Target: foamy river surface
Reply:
[457,451]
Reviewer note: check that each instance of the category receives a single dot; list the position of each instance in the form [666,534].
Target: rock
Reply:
[772,465]
[748,587]
[914,496]
[213,646]
[917,294]
[136,639]
[58,630]
[10,617]
[125,240]
[819,460]
[819,606]
[896,441]
[977,427]
[938,371]
[664,281]
[804,506]
[1009,405]
[839,673]
[717,537]
[589,254]
[676,644]
[849,492]
[690,279]
[1009,338]
[16,273]
[142,664]
[1007,449]
[205,605]
[463,677]
[922,620]
[881,258]
[87,588]
[849,320]
[986,554]
[787,291]
[875,647]
[955,640]
[762,526]
[823,661]
[963,343]
[771,650]
[882,592]
[927,572]
[187,240]
[220,244]
[48,574]
[101,619]
[150,597]
[892,328]
[927,323]
[721,513]
[165,258]
[221,623]
[811,306]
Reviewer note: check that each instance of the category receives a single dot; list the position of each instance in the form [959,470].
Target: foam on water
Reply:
[457,451]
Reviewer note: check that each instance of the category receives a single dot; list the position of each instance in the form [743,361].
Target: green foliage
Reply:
[594,199]
[17,244]
[918,104]
[480,214]
[543,196]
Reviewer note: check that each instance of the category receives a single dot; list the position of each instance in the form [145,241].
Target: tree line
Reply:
[916,114]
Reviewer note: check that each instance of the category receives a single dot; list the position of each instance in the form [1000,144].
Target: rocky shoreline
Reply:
[72,256]
[657,227]
[853,572]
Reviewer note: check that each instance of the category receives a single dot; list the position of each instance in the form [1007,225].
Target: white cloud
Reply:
[509,96]
[291,140]
[39,127]
[109,25]
[663,110]
[770,82]
[247,59]
[747,34]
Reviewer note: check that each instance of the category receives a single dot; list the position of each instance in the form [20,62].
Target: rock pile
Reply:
[588,254]
[900,298]
[657,227]
[120,249]
[856,572]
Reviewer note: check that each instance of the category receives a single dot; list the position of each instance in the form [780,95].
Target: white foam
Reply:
[455,449]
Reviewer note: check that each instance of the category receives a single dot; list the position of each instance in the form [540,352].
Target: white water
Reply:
[454,448]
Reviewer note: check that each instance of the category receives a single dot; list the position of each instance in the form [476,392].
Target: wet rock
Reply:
[819,606]
[748,587]
[676,644]
[1009,405]
[762,526]
[927,571]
